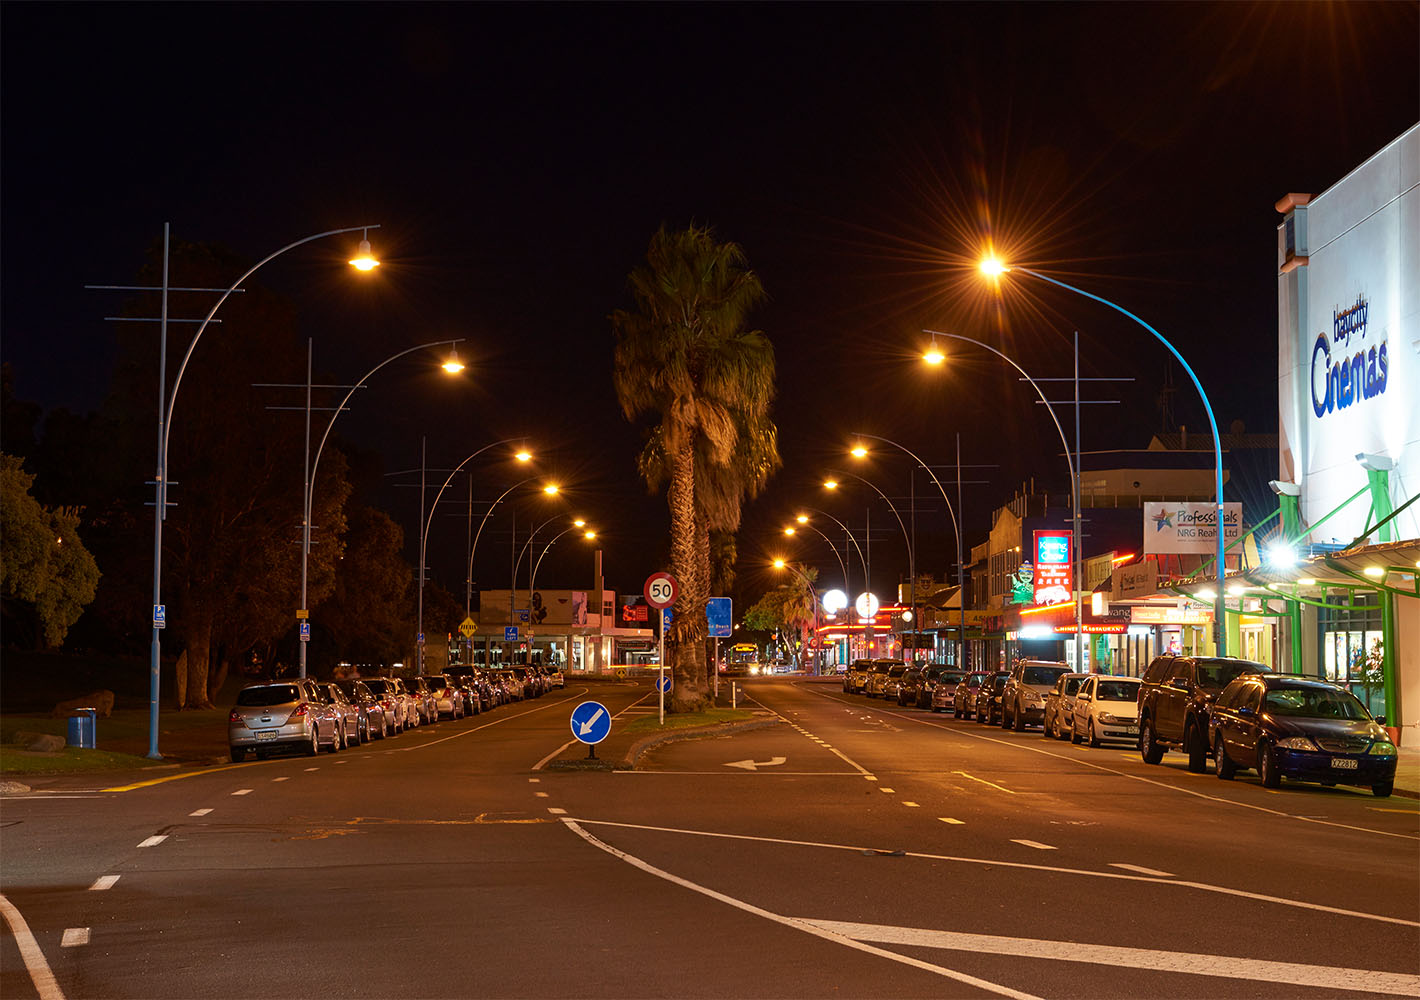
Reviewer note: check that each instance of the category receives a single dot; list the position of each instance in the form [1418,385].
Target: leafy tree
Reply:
[367,615]
[790,609]
[684,359]
[43,563]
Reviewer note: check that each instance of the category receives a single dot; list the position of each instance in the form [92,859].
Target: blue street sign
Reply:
[663,683]
[305,631]
[719,614]
[160,616]
[591,722]
[510,633]
[670,615]
[524,615]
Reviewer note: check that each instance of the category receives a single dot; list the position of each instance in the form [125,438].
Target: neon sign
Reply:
[1053,580]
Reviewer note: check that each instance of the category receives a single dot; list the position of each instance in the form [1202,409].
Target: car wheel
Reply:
[1197,749]
[1267,767]
[1226,767]
[1149,748]
[1383,790]
[1074,734]
[1019,719]
[362,731]
[1005,722]
[1094,737]
[238,755]
[314,746]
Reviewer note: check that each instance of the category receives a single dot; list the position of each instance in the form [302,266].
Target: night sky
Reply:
[518,159]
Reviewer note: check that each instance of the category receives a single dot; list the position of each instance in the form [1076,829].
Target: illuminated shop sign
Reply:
[1171,616]
[1356,372]
[1052,582]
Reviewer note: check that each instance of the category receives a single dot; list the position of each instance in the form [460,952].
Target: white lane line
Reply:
[951,821]
[154,841]
[1033,843]
[103,882]
[498,721]
[956,731]
[199,812]
[74,936]
[796,924]
[312,769]
[557,812]
[541,795]
[281,779]
[889,791]
[243,791]
[534,781]
[1142,870]
[741,772]
[837,753]
[45,983]
[912,805]
[985,782]
[1188,963]
[871,777]
[1221,890]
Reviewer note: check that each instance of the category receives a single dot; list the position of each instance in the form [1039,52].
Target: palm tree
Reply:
[685,359]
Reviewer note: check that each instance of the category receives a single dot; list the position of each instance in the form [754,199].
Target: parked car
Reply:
[387,693]
[1174,697]
[447,698]
[892,683]
[1060,705]
[378,723]
[988,697]
[354,722]
[556,678]
[425,704]
[964,697]
[281,715]
[1023,702]
[856,679]
[1106,708]
[940,687]
[877,677]
[1294,727]
[469,689]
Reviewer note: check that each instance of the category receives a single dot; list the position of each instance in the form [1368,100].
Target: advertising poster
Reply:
[1053,582]
[1172,528]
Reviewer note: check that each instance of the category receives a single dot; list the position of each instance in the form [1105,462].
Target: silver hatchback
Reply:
[282,715]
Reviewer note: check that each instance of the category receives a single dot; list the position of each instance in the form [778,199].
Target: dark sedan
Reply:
[1309,730]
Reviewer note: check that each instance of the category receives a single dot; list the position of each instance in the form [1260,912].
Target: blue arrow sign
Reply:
[591,722]
[510,633]
[663,683]
[305,631]
[719,614]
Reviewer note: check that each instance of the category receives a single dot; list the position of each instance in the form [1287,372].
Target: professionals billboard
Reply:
[1188,527]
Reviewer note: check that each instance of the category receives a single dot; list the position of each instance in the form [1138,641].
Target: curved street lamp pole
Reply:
[842,567]
[1220,606]
[862,560]
[1074,487]
[813,604]
[911,551]
[160,478]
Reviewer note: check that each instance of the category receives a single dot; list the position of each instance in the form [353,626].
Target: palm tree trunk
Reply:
[684,651]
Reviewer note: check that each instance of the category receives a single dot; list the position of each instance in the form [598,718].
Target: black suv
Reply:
[988,697]
[1174,699]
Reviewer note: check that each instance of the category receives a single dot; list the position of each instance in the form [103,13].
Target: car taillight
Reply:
[299,713]
[237,718]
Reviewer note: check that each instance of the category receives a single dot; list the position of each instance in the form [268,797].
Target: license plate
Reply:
[1344,763]
[1132,730]
[269,734]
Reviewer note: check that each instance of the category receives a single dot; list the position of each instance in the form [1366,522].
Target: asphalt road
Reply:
[856,849]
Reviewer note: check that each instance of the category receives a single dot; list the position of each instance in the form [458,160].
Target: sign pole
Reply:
[661,663]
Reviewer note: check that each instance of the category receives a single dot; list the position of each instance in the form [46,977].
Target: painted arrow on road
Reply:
[753,765]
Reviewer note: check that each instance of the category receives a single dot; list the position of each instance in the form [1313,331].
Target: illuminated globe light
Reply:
[866,605]
[834,601]
[907,616]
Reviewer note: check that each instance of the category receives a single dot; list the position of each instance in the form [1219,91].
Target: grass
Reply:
[70,760]
[122,741]
[651,724]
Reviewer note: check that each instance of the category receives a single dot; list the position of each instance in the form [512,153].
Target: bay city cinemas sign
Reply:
[1171,528]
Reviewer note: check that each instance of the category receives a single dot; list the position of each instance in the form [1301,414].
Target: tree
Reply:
[367,615]
[43,563]
[684,359]
[790,609]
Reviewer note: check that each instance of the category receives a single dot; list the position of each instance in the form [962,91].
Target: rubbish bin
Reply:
[82,725]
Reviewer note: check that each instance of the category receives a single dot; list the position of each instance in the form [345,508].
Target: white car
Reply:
[1106,708]
[1060,705]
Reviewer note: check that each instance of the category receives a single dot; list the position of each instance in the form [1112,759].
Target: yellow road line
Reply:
[179,777]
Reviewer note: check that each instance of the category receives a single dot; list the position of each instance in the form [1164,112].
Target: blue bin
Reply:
[82,726]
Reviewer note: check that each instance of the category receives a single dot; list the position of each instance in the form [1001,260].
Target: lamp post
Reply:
[575,525]
[813,598]
[363,262]
[804,522]
[995,268]
[452,366]
[906,540]
[862,560]
[935,357]
[513,581]
[473,548]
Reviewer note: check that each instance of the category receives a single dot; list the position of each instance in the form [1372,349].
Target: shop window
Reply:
[1353,648]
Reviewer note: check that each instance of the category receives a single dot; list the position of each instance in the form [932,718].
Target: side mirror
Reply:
[1380,720]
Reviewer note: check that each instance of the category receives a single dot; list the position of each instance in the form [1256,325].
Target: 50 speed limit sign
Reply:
[660,590]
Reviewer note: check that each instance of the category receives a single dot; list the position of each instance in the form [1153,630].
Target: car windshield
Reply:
[1314,703]
[274,694]
[376,685]
[896,671]
[1072,684]
[1116,691]
[1214,675]
[1043,675]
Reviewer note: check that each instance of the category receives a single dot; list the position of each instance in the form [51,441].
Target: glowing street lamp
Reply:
[364,260]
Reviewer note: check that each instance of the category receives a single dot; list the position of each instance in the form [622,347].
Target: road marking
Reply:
[765,774]
[35,965]
[753,765]
[178,777]
[1033,843]
[280,779]
[1221,890]
[74,936]
[912,805]
[985,782]
[534,781]
[1142,870]
[541,795]
[557,812]
[837,753]
[199,812]
[243,791]
[154,841]
[889,791]
[1188,963]
[871,777]
[951,821]
[312,769]
[797,924]
[1380,810]
[103,882]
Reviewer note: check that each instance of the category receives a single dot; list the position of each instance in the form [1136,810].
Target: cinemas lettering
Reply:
[1358,372]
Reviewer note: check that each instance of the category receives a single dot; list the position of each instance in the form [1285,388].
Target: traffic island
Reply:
[624,746]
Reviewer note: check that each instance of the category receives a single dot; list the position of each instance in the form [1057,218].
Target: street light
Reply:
[995,268]
[860,452]
[587,535]
[165,421]
[804,522]
[312,464]
[813,600]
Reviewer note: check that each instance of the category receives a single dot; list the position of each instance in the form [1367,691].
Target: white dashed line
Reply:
[1142,871]
[312,769]
[912,805]
[154,841]
[243,791]
[199,812]
[889,791]
[871,777]
[1033,843]
[103,882]
[985,782]
[541,795]
[74,936]
[951,821]
[534,781]
[557,812]
[281,779]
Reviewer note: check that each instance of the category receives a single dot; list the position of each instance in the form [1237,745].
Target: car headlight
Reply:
[1296,743]
[1382,748]
[1108,719]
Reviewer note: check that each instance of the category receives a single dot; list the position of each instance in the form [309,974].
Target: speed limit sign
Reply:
[660,590]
